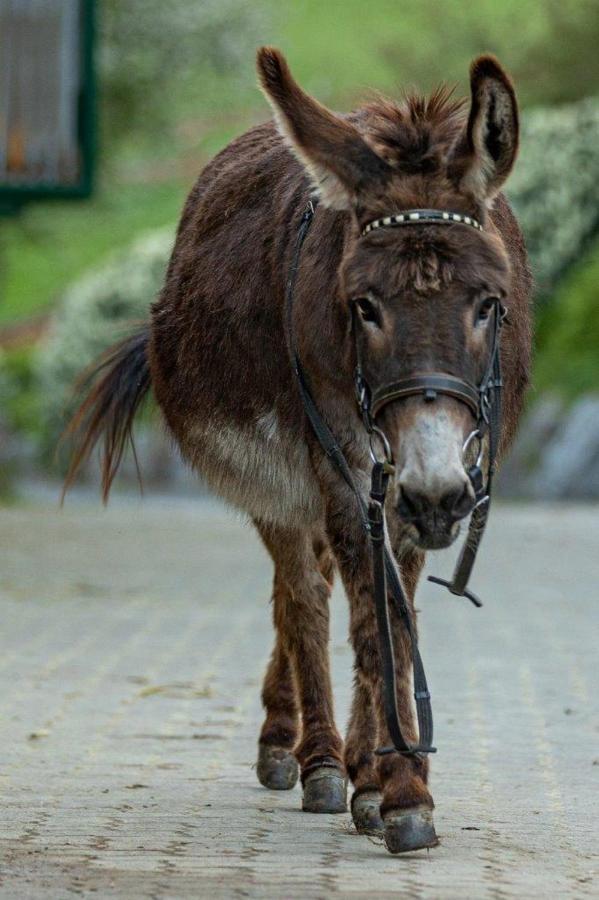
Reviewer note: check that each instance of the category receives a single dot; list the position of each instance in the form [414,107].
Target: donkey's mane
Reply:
[416,134]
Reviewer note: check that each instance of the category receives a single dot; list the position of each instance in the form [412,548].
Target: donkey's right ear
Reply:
[341,165]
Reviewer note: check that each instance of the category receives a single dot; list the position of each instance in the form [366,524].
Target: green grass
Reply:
[51,244]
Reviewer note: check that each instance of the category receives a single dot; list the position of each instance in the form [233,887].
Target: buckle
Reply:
[415,751]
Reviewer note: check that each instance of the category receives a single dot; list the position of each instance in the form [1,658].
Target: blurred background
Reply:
[109,109]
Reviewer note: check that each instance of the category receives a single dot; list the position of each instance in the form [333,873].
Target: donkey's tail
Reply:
[113,389]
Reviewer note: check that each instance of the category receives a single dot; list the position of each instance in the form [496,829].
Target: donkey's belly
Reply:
[261,468]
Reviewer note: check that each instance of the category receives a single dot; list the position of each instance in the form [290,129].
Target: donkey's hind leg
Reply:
[302,624]
[277,767]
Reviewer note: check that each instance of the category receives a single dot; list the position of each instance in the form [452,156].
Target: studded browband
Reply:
[422,217]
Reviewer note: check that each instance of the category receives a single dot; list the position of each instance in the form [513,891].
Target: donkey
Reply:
[417,299]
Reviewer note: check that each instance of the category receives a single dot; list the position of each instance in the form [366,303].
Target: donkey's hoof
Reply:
[325,791]
[366,812]
[409,830]
[277,768]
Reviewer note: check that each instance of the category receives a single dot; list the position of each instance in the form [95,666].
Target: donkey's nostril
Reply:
[459,502]
[412,505]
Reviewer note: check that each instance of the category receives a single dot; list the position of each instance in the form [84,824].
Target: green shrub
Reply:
[19,390]
[555,191]
[555,187]
[95,312]
[568,333]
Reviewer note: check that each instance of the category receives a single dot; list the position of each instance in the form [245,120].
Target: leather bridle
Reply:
[484,403]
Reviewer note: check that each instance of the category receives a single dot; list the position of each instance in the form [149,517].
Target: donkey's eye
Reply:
[368,311]
[485,309]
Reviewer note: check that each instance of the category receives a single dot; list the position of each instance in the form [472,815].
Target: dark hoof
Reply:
[277,768]
[366,812]
[325,791]
[410,829]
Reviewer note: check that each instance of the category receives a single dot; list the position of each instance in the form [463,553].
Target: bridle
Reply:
[484,403]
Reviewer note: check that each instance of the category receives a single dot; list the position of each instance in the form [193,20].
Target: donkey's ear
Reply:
[487,152]
[338,160]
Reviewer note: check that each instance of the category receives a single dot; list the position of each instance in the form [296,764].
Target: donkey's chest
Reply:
[261,467]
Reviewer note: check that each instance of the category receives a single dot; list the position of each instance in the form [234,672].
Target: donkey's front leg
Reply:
[406,806]
[302,624]
[405,779]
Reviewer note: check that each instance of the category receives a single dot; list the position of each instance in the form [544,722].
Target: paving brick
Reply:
[133,646]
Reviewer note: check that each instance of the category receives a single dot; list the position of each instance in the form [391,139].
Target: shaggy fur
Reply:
[217,357]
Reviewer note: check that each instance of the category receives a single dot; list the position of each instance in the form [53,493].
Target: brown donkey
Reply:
[414,299]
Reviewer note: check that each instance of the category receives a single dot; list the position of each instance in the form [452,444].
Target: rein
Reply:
[484,404]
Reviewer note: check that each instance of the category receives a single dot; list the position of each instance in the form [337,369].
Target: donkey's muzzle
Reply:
[434,519]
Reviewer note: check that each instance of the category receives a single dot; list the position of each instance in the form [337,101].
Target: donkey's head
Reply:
[418,299]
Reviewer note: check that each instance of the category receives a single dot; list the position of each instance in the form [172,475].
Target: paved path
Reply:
[133,644]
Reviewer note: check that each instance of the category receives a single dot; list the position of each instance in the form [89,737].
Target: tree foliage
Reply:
[151,50]
[549,46]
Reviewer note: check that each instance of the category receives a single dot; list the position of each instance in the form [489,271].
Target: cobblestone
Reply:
[133,645]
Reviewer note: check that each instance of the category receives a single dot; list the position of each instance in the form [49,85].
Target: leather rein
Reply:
[484,403]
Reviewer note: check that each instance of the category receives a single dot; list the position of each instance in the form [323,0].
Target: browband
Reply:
[429,385]
[422,217]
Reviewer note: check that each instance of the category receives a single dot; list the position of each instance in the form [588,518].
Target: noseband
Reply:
[483,402]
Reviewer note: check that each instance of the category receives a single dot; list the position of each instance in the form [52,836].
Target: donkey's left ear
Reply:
[486,154]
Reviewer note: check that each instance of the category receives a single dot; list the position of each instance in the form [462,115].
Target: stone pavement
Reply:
[133,644]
